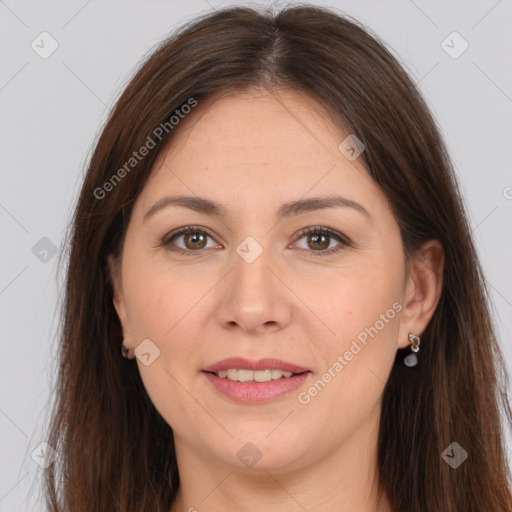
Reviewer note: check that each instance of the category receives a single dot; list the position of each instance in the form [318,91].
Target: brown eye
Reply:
[194,240]
[187,240]
[318,239]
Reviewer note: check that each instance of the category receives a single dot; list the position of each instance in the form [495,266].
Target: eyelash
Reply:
[315,230]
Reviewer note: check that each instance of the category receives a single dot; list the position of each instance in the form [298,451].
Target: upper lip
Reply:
[260,364]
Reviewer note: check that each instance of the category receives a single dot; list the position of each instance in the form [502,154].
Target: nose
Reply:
[254,297]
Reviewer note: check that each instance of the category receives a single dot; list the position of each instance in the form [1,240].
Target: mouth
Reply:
[245,381]
[244,375]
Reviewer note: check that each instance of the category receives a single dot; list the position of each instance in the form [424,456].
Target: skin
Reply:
[251,152]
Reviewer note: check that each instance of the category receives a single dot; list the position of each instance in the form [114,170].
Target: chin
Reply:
[263,450]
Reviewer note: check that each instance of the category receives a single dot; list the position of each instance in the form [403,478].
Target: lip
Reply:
[261,364]
[256,392]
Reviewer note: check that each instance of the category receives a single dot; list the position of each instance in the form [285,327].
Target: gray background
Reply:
[52,109]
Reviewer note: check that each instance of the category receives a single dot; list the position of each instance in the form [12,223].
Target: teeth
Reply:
[245,375]
[262,375]
[242,375]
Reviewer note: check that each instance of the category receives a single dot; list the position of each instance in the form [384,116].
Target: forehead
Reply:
[286,124]
[257,142]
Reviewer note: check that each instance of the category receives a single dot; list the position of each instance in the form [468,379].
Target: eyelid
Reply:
[313,230]
[166,240]
[186,229]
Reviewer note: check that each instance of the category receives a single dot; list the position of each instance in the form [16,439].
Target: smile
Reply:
[254,392]
[242,375]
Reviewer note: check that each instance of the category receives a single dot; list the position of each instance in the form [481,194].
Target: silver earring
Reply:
[411,359]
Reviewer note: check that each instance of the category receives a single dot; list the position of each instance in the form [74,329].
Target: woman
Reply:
[271,234]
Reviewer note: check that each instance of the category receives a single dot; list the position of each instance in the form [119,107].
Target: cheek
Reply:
[162,309]
[357,298]
[370,309]
[363,310]
[159,298]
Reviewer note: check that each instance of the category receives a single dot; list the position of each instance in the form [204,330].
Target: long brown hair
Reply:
[116,452]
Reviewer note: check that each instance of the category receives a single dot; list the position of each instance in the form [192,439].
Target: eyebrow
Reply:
[290,209]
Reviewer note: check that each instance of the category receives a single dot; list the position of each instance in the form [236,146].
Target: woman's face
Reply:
[252,283]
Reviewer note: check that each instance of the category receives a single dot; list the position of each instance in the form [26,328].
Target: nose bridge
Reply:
[251,275]
[254,296]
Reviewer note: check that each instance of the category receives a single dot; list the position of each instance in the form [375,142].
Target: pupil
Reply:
[193,237]
[324,245]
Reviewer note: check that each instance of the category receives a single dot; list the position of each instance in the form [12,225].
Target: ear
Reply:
[422,290]
[117,289]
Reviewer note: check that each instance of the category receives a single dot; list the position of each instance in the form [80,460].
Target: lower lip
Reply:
[256,392]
